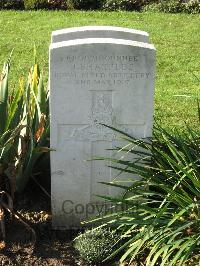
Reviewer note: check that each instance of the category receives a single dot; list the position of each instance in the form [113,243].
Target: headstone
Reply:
[99,32]
[94,81]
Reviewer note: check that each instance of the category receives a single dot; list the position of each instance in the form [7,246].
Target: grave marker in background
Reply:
[93,81]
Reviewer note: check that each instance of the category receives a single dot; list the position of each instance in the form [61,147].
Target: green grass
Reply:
[175,36]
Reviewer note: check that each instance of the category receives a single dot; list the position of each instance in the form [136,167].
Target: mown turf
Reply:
[175,36]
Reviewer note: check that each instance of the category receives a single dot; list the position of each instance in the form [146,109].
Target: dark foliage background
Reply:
[168,6]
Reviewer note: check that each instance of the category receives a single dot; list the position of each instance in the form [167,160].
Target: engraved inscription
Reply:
[103,73]
[102,70]
[95,58]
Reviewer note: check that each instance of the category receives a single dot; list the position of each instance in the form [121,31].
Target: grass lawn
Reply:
[175,36]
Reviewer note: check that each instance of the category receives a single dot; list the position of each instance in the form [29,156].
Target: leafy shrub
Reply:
[192,7]
[60,4]
[87,4]
[153,7]
[11,4]
[165,224]
[35,4]
[127,5]
[165,6]
[95,245]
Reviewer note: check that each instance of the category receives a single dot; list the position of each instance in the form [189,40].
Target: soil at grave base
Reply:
[52,248]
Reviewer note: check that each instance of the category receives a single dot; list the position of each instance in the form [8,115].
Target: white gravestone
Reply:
[94,81]
[99,32]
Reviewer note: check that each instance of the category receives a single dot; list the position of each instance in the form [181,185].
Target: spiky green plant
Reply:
[34,140]
[24,130]
[162,218]
[24,126]
[10,127]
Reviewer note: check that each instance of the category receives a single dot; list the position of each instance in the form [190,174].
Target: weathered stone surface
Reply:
[94,81]
[99,32]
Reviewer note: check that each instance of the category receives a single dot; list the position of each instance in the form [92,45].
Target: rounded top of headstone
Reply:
[89,41]
[99,28]
[99,32]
